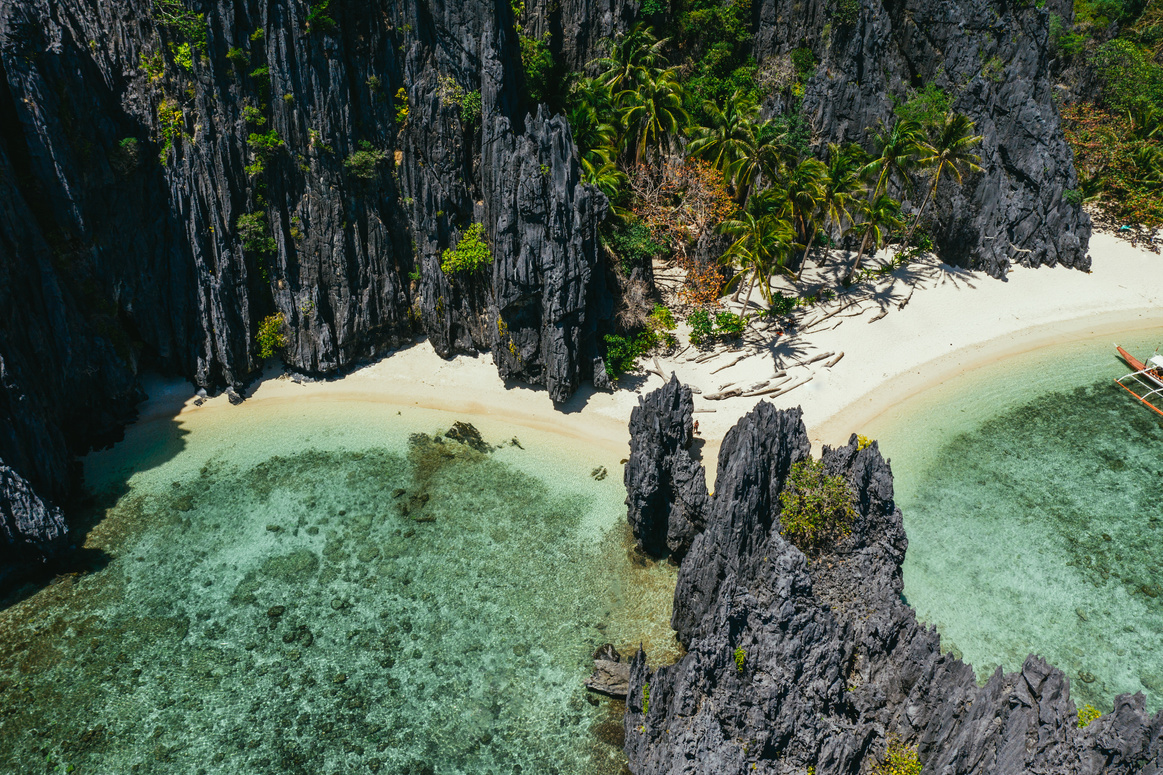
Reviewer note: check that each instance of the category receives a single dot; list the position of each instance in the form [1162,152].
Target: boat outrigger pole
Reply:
[1147,379]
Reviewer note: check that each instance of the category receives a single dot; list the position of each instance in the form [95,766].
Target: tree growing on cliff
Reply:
[951,149]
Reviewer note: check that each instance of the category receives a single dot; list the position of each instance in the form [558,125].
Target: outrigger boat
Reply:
[1147,380]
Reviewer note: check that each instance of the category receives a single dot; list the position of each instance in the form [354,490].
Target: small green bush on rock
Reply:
[271,335]
[1087,714]
[470,254]
[816,507]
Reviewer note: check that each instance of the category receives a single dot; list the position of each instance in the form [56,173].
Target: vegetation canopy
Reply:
[817,508]
[470,253]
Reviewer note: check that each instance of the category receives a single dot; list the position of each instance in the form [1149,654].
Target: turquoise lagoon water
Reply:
[1032,492]
[298,588]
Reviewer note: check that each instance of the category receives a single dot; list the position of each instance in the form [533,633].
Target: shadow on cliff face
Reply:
[161,439]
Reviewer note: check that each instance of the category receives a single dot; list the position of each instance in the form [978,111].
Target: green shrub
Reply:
[175,15]
[623,352]
[1129,75]
[816,507]
[926,106]
[702,329]
[635,245]
[264,144]
[537,62]
[271,335]
[740,658]
[847,12]
[318,20]
[729,324]
[183,56]
[253,115]
[782,305]
[804,61]
[401,106]
[1087,714]
[252,231]
[237,56]
[899,759]
[471,252]
[362,163]
[994,70]
[645,699]
[660,324]
[470,108]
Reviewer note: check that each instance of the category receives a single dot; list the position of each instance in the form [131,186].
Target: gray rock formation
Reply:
[611,675]
[666,489]
[130,168]
[31,530]
[992,58]
[795,663]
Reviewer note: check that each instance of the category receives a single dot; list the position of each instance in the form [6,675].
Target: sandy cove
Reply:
[899,335]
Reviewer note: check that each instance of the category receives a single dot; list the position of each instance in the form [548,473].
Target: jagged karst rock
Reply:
[794,664]
[119,231]
[992,58]
[666,489]
[611,675]
[31,530]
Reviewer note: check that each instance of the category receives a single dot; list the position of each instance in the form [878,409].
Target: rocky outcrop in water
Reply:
[30,529]
[666,488]
[992,59]
[796,663]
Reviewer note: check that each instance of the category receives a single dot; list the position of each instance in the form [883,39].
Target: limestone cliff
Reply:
[796,664]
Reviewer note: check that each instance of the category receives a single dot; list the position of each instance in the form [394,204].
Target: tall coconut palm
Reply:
[950,150]
[804,198]
[630,58]
[762,159]
[730,134]
[843,186]
[900,148]
[762,246]
[881,216]
[611,181]
[653,114]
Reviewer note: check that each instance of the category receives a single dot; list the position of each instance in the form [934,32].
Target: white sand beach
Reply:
[893,338]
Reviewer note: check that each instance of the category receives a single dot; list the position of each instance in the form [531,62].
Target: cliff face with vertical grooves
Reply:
[992,59]
[128,163]
[834,664]
[125,167]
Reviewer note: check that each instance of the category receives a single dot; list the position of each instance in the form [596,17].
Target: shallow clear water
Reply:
[268,606]
[1033,499]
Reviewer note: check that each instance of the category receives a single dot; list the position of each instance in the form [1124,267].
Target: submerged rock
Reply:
[611,675]
[797,665]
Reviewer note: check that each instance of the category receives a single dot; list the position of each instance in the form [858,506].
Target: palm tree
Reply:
[950,150]
[653,114]
[804,197]
[763,158]
[762,245]
[611,181]
[899,149]
[730,135]
[881,216]
[840,192]
[630,58]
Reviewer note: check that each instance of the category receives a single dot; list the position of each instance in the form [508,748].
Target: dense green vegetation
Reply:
[470,253]
[669,130]
[272,335]
[362,164]
[1117,140]
[816,507]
